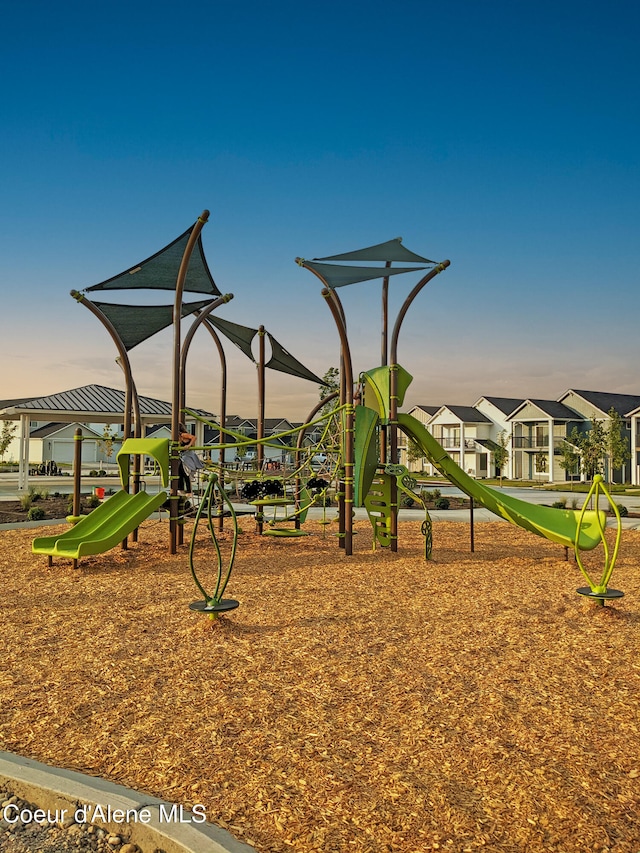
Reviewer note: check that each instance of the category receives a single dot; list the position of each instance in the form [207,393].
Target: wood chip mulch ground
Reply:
[370,703]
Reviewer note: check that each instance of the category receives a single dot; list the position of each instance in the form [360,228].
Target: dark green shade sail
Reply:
[160,271]
[241,336]
[136,323]
[282,360]
[392,250]
[336,275]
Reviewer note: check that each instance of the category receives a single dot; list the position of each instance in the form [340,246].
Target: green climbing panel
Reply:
[366,453]
[378,506]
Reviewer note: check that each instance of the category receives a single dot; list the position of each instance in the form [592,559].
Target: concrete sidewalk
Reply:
[150,823]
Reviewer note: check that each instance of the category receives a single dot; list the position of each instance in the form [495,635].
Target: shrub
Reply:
[93,501]
[35,513]
[26,501]
[407,501]
[561,504]
[261,488]
[623,510]
[442,503]
[93,473]
[436,494]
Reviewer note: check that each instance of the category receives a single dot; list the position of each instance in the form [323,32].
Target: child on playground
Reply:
[186,440]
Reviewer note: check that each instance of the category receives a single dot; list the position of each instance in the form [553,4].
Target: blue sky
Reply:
[502,136]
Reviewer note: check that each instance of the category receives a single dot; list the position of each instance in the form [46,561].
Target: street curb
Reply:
[177,831]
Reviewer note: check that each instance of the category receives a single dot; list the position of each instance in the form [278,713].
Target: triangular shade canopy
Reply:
[136,323]
[392,250]
[241,336]
[282,360]
[336,275]
[160,271]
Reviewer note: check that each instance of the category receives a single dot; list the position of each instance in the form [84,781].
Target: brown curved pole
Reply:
[393,389]
[223,411]
[384,355]
[261,398]
[335,306]
[407,304]
[223,389]
[301,435]
[346,395]
[131,395]
[202,316]
[176,379]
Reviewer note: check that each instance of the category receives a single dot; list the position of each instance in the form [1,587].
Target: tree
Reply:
[569,459]
[415,452]
[501,453]
[106,442]
[6,436]
[541,458]
[332,380]
[592,445]
[616,443]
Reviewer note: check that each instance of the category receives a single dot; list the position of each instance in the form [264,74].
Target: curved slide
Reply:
[104,527]
[558,525]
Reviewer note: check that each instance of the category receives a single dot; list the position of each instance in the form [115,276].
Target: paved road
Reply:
[9,491]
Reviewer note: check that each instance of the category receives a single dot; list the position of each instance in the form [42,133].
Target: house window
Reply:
[542,435]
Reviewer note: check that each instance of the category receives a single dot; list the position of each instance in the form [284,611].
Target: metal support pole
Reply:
[177,380]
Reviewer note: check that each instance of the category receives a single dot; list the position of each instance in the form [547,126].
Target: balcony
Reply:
[540,442]
[454,443]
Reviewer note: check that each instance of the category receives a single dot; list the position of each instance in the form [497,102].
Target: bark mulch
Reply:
[371,703]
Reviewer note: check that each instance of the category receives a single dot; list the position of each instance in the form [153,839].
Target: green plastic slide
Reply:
[104,528]
[558,525]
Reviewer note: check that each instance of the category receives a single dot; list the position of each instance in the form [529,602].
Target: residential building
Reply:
[596,405]
[538,429]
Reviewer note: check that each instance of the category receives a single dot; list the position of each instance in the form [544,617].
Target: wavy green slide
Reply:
[558,525]
[104,528]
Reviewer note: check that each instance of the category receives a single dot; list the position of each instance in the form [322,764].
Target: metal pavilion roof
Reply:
[87,403]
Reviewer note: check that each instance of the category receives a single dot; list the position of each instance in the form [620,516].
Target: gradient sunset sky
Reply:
[500,135]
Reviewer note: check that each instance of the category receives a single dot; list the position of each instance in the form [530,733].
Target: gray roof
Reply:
[555,410]
[505,404]
[468,415]
[7,404]
[604,401]
[430,410]
[90,400]
[52,428]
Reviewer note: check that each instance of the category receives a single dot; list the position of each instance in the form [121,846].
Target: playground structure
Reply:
[367,463]
[371,472]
